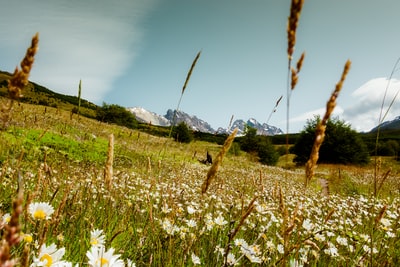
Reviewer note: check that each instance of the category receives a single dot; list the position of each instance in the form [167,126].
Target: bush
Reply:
[261,145]
[116,114]
[182,133]
[341,145]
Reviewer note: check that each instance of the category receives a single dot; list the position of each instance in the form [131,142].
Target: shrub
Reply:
[116,114]
[261,145]
[182,133]
[341,144]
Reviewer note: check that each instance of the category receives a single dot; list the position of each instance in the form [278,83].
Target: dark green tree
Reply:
[116,114]
[266,152]
[260,145]
[182,133]
[249,140]
[342,145]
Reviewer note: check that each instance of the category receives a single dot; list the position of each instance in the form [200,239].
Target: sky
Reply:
[137,53]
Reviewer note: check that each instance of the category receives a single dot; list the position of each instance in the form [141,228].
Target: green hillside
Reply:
[39,95]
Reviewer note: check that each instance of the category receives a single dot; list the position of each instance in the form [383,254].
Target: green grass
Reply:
[157,184]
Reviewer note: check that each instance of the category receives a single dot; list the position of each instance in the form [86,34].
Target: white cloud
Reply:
[93,41]
[364,113]
[300,121]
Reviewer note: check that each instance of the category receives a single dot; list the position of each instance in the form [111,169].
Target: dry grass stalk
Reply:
[234,231]
[293,21]
[380,215]
[295,72]
[217,162]
[190,72]
[183,90]
[321,127]
[108,170]
[19,79]
[381,181]
[12,235]
[329,216]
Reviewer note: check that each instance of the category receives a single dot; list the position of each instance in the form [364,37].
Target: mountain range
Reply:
[37,94]
[392,125]
[200,125]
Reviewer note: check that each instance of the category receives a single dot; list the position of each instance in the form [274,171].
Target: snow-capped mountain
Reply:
[200,125]
[193,122]
[388,125]
[146,116]
[262,129]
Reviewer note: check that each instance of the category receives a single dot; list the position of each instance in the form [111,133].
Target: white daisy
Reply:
[195,259]
[40,210]
[98,257]
[49,256]
[97,238]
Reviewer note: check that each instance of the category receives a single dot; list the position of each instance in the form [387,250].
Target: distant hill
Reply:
[39,95]
[393,125]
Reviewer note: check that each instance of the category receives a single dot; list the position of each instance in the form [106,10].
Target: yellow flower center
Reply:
[103,261]
[8,219]
[48,258]
[39,214]
[94,241]
[28,238]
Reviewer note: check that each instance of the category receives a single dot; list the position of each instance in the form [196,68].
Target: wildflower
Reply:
[60,237]
[240,242]
[40,210]
[49,256]
[130,263]
[341,241]
[27,238]
[308,225]
[280,248]
[386,223]
[230,259]
[97,238]
[190,210]
[294,263]
[195,259]
[6,218]
[169,227]
[191,223]
[220,221]
[98,257]
[331,250]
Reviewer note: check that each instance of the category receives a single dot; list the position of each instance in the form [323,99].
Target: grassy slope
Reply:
[61,161]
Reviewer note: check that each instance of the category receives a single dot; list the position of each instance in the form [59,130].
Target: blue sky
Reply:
[138,53]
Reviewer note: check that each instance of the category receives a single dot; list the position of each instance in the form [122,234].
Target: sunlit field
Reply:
[79,192]
[154,214]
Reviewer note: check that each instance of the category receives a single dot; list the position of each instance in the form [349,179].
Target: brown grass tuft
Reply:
[321,127]
[12,237]
[217,162]
[293,21]
[19,79]
[108,170]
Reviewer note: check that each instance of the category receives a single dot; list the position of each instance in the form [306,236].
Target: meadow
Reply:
[79,192]
[153,212]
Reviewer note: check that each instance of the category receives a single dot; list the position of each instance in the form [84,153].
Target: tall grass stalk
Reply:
[79,96]
[19,80]
[293,21]
[183,90]
[321,126]
[380,121]
[212,172]
[108,170]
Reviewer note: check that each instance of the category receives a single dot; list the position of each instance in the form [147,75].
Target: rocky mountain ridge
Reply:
[200,125]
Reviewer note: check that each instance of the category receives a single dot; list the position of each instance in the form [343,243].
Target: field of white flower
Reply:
[66,200]
[154,214]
